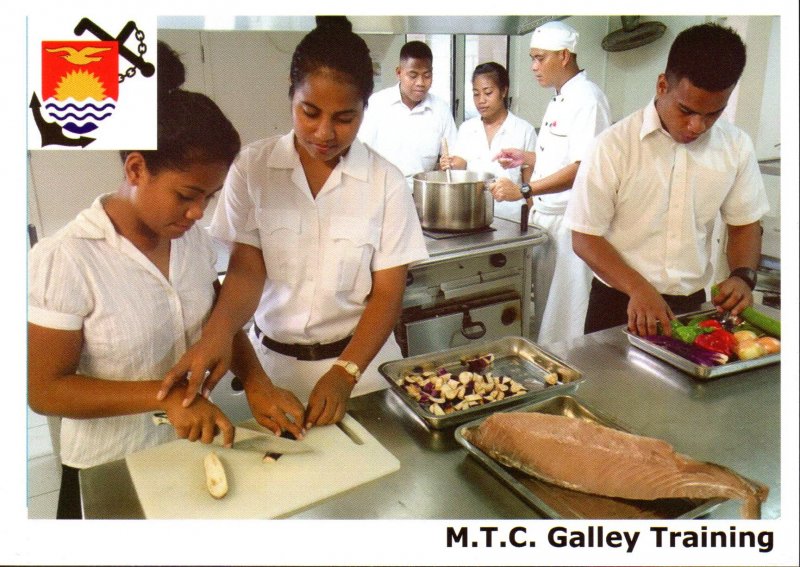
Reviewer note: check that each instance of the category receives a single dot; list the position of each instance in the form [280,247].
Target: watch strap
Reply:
[749,275]
[526,191]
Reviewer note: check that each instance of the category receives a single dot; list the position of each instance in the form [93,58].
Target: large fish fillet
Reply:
[591,458]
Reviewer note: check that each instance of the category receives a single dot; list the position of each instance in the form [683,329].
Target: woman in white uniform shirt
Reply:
[117,295]
[323,229]
[481,138]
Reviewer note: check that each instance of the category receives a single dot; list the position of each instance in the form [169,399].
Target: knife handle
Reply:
[160,418]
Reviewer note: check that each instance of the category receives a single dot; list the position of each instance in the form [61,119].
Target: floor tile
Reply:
[43,507]
[39,443]
[44,475]
[35,419]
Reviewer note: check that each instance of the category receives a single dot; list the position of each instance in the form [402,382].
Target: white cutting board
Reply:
[170,479]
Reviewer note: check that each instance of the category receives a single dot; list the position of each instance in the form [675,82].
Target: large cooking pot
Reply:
[463,202]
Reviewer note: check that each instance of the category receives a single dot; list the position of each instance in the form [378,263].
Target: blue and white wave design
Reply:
[79,117]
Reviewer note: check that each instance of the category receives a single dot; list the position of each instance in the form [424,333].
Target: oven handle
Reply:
[452,290]
[471,330]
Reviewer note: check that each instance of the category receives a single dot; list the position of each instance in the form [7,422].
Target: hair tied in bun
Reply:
[171,72]
[334,23]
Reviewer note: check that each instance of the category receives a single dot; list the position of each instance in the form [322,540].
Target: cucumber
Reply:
[757,318]
[762,321]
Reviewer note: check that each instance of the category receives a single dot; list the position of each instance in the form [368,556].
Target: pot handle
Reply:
[488,183]
[472,329]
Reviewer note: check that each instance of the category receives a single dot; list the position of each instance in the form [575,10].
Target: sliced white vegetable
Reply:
[216,481]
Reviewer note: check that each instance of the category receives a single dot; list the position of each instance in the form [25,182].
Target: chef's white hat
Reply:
[554,36]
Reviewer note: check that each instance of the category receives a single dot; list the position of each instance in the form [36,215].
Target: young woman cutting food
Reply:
[322,231]
[119,293]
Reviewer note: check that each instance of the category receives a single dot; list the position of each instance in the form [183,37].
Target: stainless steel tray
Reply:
[701,371]
[515,357]
[556,502]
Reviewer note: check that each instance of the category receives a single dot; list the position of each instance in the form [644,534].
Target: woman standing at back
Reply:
[482,137]
[322,230]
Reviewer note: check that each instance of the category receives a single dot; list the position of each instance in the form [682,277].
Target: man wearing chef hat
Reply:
[576,113]
[652,186]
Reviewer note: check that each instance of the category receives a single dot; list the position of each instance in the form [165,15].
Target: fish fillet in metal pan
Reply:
[596,459]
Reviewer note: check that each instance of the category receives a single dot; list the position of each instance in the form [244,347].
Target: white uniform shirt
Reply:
[136,323]
[319,253]
[473,146]
[572,119]
[409,138]
[656,200]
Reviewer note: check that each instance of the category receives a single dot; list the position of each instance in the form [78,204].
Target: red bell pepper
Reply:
[718,340]
[710,323]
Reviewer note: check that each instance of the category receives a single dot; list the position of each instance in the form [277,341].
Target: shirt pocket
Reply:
[352,244]
[279,231]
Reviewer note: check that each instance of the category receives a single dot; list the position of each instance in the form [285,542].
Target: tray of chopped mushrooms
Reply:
[456,385]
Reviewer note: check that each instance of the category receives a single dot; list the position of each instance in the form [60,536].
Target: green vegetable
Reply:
[688,333]
[756,318]
[762,321]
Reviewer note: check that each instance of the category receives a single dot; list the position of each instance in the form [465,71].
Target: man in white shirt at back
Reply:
[405,123]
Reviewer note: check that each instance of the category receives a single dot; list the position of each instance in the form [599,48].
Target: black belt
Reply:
[304,352]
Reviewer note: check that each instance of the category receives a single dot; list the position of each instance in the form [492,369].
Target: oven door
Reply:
[453,324]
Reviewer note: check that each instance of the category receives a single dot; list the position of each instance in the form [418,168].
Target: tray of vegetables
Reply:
[708,344]
[456,385]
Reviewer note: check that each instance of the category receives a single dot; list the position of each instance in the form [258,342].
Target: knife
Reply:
[264,443]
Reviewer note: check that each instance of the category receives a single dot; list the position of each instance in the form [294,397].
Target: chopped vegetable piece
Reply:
[696,354]
[711,323]
[688,333]
[719,340]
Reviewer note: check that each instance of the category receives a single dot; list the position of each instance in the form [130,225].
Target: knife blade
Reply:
[264,443]
[253,440]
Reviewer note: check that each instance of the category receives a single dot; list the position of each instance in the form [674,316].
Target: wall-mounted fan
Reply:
[633,34]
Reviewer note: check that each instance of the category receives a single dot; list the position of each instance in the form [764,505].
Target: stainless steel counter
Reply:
[506,235]
[734,421]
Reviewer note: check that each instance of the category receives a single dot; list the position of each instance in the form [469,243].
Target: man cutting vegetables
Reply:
[646,198]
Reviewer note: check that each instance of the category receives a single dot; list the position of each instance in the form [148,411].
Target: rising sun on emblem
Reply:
[79,85]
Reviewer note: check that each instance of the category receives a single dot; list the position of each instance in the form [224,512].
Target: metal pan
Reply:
[556,502]
[515,357]
[700,371]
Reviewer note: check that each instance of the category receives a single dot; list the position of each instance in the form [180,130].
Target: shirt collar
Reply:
[571,84]
[94,223]
[651,121]
[424,104]
[355,163]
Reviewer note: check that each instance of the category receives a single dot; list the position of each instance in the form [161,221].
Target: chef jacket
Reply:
[656,200]
[473,146]
[409,138]
[136,323]
[573,118]
[319,252]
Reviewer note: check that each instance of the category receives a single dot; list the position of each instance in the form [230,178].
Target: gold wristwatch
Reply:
[350,367]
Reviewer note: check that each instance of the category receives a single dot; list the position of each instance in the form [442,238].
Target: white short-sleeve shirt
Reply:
[656,200]
[573,117]
[409,138]
[136,323]
[473,146]
[319,252]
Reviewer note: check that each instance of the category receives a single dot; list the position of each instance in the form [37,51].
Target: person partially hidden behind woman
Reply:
[323,229]
[117,296]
